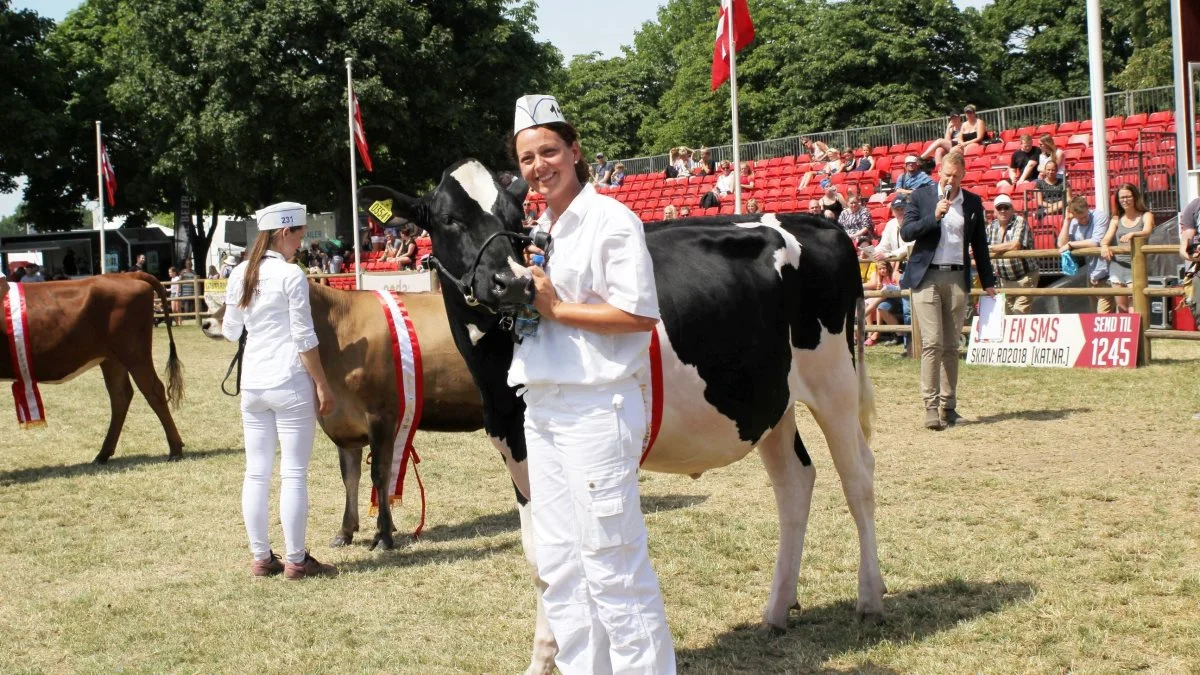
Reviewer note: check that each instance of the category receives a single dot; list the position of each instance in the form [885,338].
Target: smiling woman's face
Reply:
[547,162]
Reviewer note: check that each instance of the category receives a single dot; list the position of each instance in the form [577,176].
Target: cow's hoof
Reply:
[794,608]
[775,631]
[341,539]
[871,618]
[101,459]
[382,542]
[175,458]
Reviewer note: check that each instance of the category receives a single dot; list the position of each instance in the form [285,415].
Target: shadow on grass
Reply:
[508,521]
[818,634]
[117,464]
[406,555]
[1029,415]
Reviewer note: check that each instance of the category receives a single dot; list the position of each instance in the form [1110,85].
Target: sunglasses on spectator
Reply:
[1004,207]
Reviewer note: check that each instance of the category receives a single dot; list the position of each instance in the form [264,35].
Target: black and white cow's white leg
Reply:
[541,661]
[350,462]
[830,388]
[792,476]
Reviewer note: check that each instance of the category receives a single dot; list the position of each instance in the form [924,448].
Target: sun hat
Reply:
[912,159]
[1002,199]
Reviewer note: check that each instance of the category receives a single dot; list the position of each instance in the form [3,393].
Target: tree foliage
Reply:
[28,94]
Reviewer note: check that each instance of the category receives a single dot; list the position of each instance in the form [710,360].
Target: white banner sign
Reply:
[1060,341]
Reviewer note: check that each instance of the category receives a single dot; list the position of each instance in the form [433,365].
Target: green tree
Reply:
[28,92]
[607,99]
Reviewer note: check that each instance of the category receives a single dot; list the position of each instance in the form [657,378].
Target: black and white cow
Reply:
[758,312]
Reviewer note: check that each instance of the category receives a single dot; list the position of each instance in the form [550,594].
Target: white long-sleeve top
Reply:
[278,322]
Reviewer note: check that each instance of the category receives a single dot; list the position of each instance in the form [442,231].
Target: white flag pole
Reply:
[353,174]
[100,191]
[1096,79]
[730,25]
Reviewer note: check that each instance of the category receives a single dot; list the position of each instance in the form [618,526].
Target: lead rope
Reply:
[235,363]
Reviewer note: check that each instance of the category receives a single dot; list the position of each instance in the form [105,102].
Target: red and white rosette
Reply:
[30,412]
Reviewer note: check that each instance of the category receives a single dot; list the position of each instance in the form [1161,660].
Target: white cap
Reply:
[912,159]
[535,109]
[283,214]
[230,260]
[1002,199]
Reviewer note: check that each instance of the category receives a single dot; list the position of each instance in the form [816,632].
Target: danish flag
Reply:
[743,34]
[360,136]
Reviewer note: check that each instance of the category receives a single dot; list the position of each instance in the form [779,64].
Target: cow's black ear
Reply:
[402,205]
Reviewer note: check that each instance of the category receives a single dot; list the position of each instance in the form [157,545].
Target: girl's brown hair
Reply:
[569,136]
[257,252]
[1139,199]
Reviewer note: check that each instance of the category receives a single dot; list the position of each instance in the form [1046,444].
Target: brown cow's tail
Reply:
[174,366]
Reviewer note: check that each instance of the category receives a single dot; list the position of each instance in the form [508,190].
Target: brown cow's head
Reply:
[475,225]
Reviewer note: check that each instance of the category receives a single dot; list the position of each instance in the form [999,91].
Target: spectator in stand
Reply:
[682,164]
[685,212]
[618,175]
[1133,219]
[670,212]
[943,221]
[407,250]
[912,178]
[834,165]
[1009,232]
[531,215]
[817,151]
[391,248]
[602,170]
[752,206]
[33,273]
[722,187]
[814,208]
[973,131]
[1025,162]
[856,221]
[213,272]
[746,170]
[1084,228]
[1052,191]
[706,164]
[1048,152]
[231,261]
[886,311]
[865,161]
[891,244]
[948,142]
[832,202]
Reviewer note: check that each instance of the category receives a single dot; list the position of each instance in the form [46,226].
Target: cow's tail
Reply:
[866,391]
[174,366]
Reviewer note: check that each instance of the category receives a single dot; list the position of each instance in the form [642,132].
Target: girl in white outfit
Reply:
[269,297]
[585,416]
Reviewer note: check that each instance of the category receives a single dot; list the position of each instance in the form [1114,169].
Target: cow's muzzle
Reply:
[508,292]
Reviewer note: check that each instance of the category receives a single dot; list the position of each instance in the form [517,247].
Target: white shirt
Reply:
[597,254]
[278,322]
[890,242]
[950,246]
[725,183]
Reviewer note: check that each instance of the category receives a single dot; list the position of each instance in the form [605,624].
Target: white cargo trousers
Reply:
[283,416]
[603,600]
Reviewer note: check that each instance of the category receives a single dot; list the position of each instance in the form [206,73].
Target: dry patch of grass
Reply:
[1057,530]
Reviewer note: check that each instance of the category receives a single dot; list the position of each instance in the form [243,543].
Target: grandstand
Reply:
[1141,150]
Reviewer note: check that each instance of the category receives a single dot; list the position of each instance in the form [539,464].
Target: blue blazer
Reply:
[921,228]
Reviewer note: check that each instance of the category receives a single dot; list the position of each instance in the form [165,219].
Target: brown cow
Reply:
[106,320]
[355,348]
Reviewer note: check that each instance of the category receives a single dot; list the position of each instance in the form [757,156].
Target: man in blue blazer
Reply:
[943,221]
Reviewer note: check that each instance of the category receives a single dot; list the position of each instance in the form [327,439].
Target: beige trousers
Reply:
[939,304]
[1020,304]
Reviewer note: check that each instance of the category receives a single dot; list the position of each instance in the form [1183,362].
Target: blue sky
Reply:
[572,26]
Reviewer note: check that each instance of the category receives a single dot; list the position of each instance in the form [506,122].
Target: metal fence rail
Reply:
[1122,103]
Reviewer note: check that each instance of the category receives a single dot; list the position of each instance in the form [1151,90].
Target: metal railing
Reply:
[1122,103]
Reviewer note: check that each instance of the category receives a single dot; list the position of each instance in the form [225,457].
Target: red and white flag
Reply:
[110,176]
[743,34]
[360,136]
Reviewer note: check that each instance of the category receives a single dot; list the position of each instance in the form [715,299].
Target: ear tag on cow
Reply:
[382,210]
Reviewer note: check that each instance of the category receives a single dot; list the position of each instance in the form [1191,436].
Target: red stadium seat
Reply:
[1115,122]
[1068,127]
[1136,120]
[1045,129]
[1161,117]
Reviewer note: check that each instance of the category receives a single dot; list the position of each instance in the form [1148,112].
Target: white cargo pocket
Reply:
[608,496]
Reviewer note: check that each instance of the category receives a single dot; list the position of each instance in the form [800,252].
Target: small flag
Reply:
[360,136]
[743,34]
[110,176]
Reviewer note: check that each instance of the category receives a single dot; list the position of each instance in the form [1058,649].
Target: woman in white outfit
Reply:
[268,296]
[585,416]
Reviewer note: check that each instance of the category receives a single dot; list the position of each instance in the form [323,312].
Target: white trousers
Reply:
[285,416]
[603,601]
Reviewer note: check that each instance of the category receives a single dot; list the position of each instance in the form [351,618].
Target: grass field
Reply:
[1056,531]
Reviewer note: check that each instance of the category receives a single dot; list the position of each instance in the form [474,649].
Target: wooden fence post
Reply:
[1140,302]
